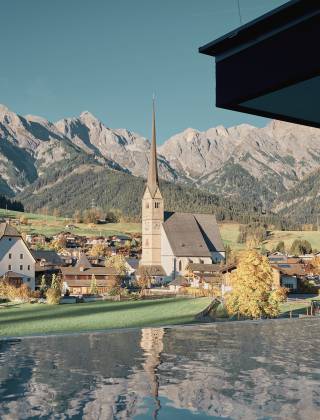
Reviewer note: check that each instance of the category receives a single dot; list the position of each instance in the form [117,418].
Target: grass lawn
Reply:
[230,232]
[50,225]
[30,319]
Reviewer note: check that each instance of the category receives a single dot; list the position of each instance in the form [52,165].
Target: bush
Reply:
[53,296]
[114,291]
[12,293]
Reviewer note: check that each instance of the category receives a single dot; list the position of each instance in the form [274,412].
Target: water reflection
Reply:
[230,371]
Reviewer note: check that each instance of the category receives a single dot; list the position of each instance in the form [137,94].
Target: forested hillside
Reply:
[72,187]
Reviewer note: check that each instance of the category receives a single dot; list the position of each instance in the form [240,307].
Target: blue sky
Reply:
[61,57]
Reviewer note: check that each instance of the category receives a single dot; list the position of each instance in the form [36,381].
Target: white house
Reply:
[16,261]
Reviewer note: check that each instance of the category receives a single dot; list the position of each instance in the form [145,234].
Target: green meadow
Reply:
[34,319]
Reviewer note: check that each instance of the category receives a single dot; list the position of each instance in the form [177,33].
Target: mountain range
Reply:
[264,167]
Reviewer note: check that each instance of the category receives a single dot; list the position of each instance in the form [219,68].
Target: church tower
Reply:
[152,209]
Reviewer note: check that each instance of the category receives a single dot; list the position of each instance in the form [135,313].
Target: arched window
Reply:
[147,205]
[157,205]
[180,265]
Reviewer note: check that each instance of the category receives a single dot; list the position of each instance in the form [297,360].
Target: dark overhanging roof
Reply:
[271,66]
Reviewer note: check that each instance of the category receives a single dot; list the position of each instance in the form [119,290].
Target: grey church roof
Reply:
[8,230]
[193,235]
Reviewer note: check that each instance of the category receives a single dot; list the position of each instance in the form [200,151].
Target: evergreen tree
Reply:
[93,285]
[300,247]
[55,282]
[43,284]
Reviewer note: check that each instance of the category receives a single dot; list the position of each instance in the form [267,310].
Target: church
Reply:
[172,240]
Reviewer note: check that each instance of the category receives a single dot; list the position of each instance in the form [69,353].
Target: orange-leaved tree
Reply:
[253,292]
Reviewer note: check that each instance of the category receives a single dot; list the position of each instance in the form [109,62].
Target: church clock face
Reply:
[156,225]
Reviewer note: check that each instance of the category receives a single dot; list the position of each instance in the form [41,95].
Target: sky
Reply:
[62,57]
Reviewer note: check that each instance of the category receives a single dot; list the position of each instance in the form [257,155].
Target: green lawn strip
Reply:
[29,319]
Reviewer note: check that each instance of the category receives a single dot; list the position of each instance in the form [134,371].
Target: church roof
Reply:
[153,179]
[8,230]
[193,235]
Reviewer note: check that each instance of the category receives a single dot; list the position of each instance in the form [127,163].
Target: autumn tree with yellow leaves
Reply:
[253,293]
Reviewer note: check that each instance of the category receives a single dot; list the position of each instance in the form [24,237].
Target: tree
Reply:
[253,294]
[53,296]
[24,220]
[43,285]
[98,250]
[280,247]
[263,250]
[56,283]
[93,285]
[119,263]
[58,244]
[112,217]
[144,279]
[77,218]
[300,247]
[56,212]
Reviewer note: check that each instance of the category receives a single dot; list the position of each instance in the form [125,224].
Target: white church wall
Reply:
[167,257]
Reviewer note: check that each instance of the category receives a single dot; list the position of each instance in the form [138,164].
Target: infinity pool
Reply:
[236,370]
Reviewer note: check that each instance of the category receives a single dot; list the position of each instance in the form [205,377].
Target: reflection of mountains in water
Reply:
[235,370]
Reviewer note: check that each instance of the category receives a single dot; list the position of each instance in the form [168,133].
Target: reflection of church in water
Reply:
[172,240]
[152,344]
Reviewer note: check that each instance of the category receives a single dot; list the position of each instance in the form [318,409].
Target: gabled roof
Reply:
[83,262]
[13,274]
[49,256]
[179,281]
[151,270]
[8,230]
[193,235]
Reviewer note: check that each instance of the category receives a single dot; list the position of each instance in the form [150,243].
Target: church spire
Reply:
[152,180]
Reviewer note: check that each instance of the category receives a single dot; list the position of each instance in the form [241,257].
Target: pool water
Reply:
[237,370]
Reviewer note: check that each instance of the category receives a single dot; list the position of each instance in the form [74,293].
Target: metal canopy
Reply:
[271,66]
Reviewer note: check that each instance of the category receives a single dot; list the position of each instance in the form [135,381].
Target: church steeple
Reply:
[153,180]
[152,208]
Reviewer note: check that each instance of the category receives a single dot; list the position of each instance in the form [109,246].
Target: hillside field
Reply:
[50,225]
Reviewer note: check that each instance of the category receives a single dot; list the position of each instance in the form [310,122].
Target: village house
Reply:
[77,280]
[17,263]
[48,262]
[96,240]
[34,239]
[172,240]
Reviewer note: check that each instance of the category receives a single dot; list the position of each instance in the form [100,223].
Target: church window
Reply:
[180,265]
[201,262]
[147,205]
[157,205]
